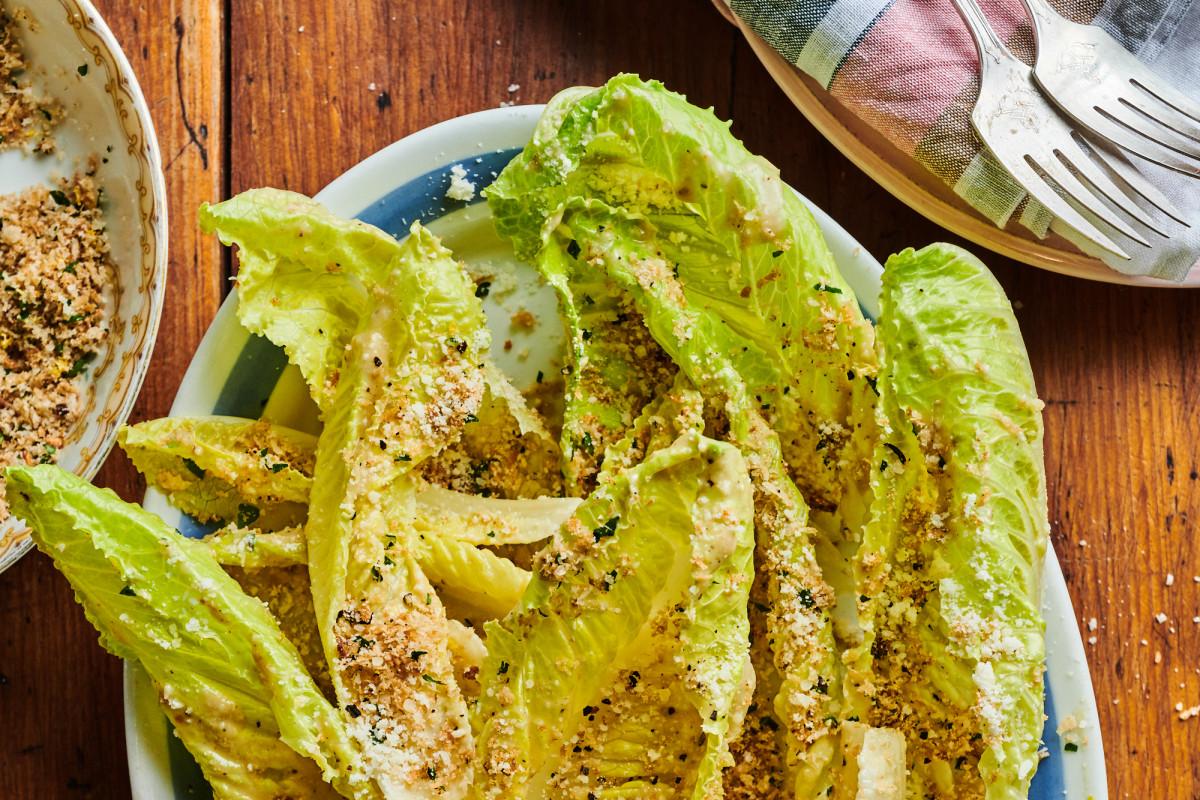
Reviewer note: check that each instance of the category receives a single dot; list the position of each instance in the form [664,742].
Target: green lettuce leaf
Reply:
[791,604]
[475,584]
[225,468]
[232,546]
[488,520]
[410,380]
[951,562]
[304,277]
[233,685]
[485,585]
[744,248]
[505,451]
[579,699]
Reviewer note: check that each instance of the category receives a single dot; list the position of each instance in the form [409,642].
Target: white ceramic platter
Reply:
[73,57]
[239,374]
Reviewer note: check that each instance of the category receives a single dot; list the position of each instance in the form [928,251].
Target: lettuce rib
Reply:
[234,686]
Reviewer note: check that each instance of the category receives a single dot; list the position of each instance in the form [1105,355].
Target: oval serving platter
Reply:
[239,374]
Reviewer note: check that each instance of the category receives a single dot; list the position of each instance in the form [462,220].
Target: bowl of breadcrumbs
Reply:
[82,242]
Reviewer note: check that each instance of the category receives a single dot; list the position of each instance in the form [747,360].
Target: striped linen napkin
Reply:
[908,68]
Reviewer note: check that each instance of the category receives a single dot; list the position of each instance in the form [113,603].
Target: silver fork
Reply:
[1039,148]
[1106,90]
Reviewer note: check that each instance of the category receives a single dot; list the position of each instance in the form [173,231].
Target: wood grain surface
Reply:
[291,93]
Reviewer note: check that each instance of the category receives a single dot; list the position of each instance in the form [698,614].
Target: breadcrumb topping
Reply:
[54,265]
[26,118]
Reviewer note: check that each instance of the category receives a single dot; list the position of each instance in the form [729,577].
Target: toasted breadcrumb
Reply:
[26,118]
[54,265]
[523,319]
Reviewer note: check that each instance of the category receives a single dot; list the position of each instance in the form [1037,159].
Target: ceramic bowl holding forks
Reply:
[1045,151]
[900,173]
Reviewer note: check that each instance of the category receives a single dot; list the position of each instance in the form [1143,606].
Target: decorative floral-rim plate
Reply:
[73,57]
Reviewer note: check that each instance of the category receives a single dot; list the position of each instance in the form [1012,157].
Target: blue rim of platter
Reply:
[235,373]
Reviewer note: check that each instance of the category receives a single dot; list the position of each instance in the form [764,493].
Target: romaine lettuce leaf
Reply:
[488,520]
[475,584]
[615,368]
[952,559]
[233,546]
[225,468]
[304,275]
[631,637]
[410,380]
[233,685]
[792,600]
[744,247]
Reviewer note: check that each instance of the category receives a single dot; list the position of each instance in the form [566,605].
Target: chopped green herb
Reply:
[246,516]
[607,529]
[194,468]
[79,365]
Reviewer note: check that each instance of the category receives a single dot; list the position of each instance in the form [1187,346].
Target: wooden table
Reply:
[290,93]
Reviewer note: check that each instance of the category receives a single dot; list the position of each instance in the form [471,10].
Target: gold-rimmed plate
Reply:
[74,58]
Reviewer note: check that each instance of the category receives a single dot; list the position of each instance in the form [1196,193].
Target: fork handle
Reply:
[987,43]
